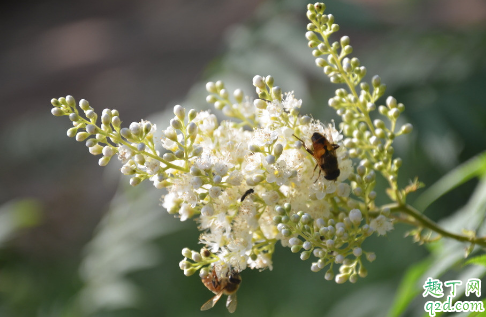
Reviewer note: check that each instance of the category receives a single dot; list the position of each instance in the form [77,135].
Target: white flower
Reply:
[151,166]
[204,162]
[278,173]
[343,190]
[214,240]
[186,212]
[290,102]
[381,225]
[247,108]
[167,143]
[215,191]
[124,154]
[262,262]
[248,213]
[207,210]
[235,178]
[270,197]
[206,122]
[171,202]
[196,182]
[264,137]
[220,168]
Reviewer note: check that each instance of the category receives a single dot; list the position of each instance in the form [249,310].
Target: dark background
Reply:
[142,58]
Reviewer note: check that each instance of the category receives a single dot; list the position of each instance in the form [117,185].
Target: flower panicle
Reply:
[369,140]
[250,181]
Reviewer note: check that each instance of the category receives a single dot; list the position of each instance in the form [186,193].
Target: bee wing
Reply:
[210,303]
[231,303]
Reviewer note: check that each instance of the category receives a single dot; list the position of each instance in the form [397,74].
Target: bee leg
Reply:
[305,147]
[314,171]
[317,176]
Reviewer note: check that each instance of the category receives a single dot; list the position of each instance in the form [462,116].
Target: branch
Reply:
[428,223]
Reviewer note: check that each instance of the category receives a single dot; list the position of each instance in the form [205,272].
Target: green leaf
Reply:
[479,260]
[408,287]
[461,174]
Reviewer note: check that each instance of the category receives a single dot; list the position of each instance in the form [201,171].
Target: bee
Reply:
[227,285]
[248,192]
[325,155]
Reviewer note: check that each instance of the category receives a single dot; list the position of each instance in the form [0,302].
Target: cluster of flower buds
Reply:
[332,240]
[369,140]
[133,145]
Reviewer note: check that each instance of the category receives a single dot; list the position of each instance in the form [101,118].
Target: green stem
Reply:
[429,224]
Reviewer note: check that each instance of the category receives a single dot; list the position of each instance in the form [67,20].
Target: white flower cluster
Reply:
[245,173]
[248,184]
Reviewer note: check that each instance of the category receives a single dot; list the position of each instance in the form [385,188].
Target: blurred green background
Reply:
[77,240]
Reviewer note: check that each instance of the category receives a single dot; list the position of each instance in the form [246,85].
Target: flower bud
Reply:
[277,93]
[147,127]
[195,171]
[104,160]
[305,255]
[406,128]
[260,104]
[169,157]
[57,112]
[115,121]
[207,211]
[127,170]
[295,248]
[81,136]
[174,123]
[139,159]
[391,102]
[108,151]
[189,272]
[135,128]
[192,114]
[180,112]
[134,181]
[70,101]
[355,216]
[376,81]
[341,278]
[215,191]
[258,178]
[96,149]
[211,87]
[204,272]
[258,82]
[197,150]
[192,128]
[211,99]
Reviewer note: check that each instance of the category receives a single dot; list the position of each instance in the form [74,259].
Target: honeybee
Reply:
[248,192]
[227,285]
[325,155]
